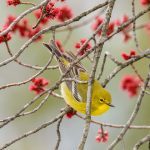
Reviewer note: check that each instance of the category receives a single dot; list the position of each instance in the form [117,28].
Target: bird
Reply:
[75,92]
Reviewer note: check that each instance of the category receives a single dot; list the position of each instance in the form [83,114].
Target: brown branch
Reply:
[142,141]
[41,104]
[107,54]
[137,73]
[27,3]
[42,14]
[58,133]
[27,65]
[117,126]
[29,104]
[134,27]
[92,76]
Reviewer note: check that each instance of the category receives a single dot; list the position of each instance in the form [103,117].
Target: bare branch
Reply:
[125,64]
[29,79]
[35,130]
[58,134]
[92,76]
[133,115]
[142,141]
[115,125]
[107,54]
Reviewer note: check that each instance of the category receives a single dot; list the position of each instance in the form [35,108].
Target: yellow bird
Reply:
[75,93]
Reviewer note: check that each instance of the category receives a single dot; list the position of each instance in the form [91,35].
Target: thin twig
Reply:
[42,15]
[102,67]
[68,36]
[137,73]
[84,22]
[107,54]
[117,126]
[17,114]
[36,108]
[132,117]
[10,27]
[29,79]
[142,141]
[125,64]
[134,27]
[35,130]
[27,3]
[74,80]
[58,133]
[27,65]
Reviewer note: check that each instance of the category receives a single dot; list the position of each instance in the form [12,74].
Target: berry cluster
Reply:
[98,21]
[51,12]
[13,2]
[23,27]
[38,85]
[61,13]
[65,13]
[70,114]
[126,56]
[102,136]
[5,38]
[131,84]
[111,27]
[78,45]
[145,2]
[125,31]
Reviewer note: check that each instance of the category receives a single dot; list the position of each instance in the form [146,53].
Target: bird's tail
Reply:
[54,49]
[62,59]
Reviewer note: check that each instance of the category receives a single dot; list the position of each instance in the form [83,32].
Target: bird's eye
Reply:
[102,100]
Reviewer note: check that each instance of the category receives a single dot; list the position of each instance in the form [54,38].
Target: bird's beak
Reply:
[111,105]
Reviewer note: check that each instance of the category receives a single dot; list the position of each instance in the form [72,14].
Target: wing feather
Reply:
[65,60]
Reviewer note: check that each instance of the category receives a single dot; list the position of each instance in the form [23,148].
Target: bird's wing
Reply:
[64,61]
[75,73]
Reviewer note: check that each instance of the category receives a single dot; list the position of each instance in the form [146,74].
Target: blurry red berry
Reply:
[38,85]
[70,114]
[65,13]
[131,84]
[102,136]
[145,2]
[13,2]
[126,56]
[78,45]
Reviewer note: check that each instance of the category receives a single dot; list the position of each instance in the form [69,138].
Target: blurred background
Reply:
[14,98]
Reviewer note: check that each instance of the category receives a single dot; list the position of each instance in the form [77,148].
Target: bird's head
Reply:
[106,98]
